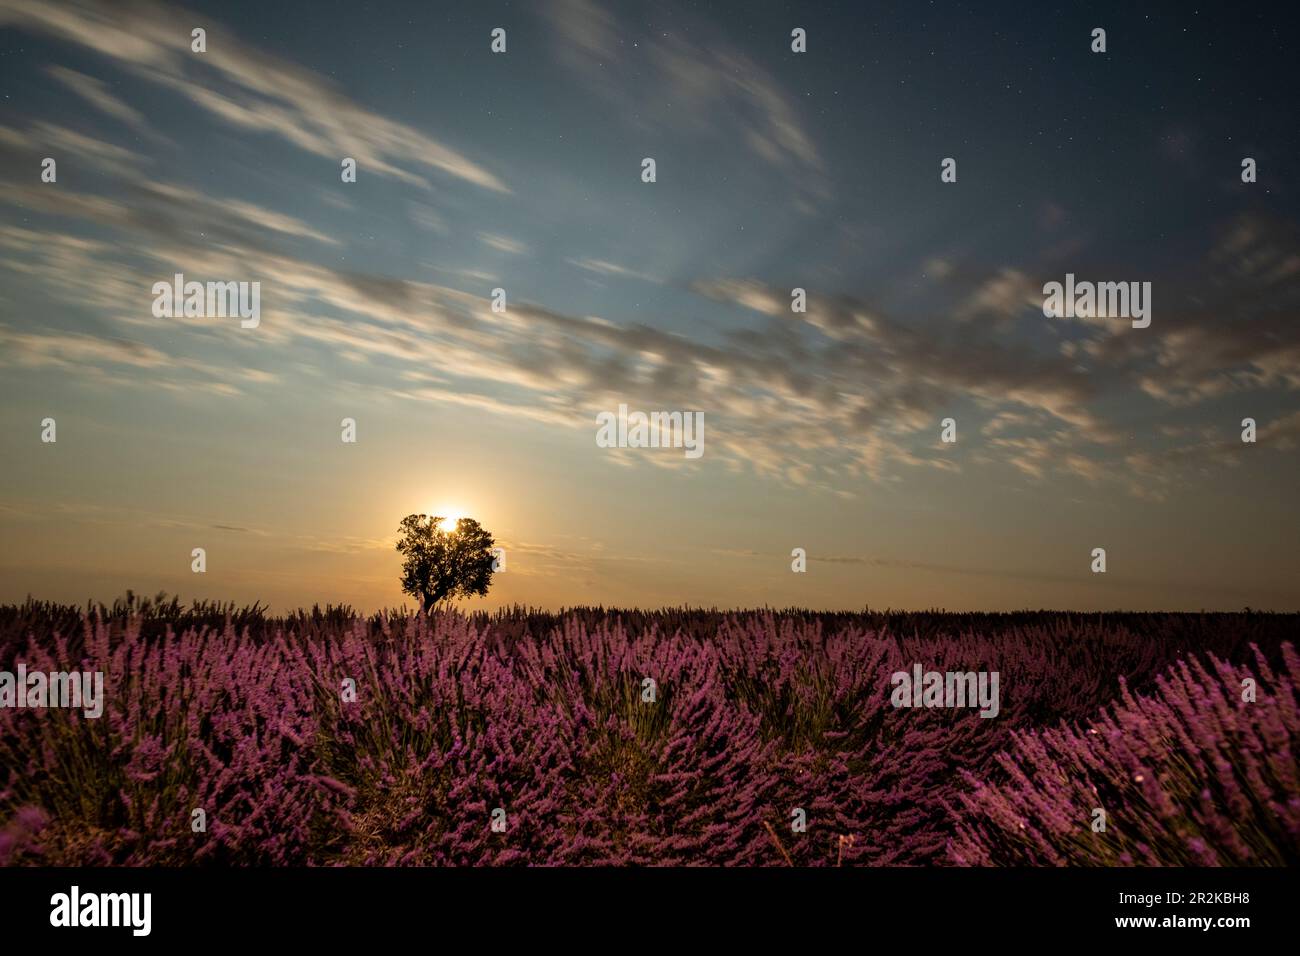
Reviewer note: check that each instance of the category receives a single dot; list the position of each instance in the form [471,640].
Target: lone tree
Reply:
[442,564]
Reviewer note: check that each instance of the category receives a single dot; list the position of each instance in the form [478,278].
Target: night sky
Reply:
[775,170]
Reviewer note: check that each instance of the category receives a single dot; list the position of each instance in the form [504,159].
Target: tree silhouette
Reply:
[442,564]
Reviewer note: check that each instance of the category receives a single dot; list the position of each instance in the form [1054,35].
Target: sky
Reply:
[774,170]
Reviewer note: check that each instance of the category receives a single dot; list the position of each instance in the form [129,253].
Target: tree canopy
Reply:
[444,564]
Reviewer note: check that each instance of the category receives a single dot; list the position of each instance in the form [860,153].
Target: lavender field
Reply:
[542,724]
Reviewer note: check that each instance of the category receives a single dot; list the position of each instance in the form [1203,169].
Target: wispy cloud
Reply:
[97,93]
[502,243]
[243,86]
[603,268]
[708,87]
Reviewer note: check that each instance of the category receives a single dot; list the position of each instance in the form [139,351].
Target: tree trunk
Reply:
[430,601]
